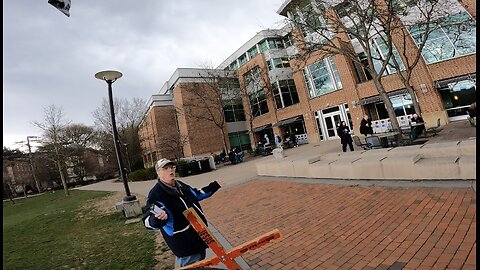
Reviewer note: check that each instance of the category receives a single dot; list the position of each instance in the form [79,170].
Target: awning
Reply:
[374,99]
[286,121]
[258,129]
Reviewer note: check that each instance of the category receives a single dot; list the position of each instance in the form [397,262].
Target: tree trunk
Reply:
[224,139]
[388,104]
[64,183]
[411,91]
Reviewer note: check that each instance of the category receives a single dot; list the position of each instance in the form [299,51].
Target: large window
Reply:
[322,77]
[240,140]
[253,51]
[243,59]
[258,103]
[233,110]
[284,93]
[451,37]
[278,63]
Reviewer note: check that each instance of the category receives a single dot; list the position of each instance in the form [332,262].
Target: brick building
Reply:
[309,98]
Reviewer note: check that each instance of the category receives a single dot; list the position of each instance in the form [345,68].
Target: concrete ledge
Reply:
[468,167]
[406,149]
[441,149]
[468,147]
[437,168]
[343,168]
[377,152]
[400,167]
[369,168]
[320,169]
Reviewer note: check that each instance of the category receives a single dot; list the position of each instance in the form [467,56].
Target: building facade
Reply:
[282,94]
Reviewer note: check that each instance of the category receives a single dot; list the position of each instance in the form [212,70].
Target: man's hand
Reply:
[159,212]
[221,183]
[162,215]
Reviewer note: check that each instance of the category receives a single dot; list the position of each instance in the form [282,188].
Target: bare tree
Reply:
[364,32]
[254,92]
[209,96]
[128,114]
[77,138]
[52,126]
[419,18]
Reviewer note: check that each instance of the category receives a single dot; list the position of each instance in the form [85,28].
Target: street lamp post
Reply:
[110,76]
[128,157]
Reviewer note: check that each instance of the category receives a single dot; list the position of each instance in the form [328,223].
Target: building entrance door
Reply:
[331,122]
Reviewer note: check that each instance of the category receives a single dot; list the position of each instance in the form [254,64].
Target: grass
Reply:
[53,231]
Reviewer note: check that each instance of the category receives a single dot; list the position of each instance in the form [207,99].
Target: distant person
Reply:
[293,140]
[418,125]
[278,141]
[164,212]
[223,155]
[266,140]
[366,126]
[345,137]
[472,113]
[232,156]
[238,155]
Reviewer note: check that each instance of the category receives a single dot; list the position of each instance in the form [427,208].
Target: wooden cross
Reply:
[222,256]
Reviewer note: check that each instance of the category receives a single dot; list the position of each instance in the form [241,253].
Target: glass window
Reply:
[240,140]
[322,77]
[264,45]
[253,51]
[285,93]
[233,111]
[288,41]
[452,36]
[243,59]
[258,103]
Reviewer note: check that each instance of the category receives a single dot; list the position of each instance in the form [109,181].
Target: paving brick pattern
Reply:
[349,227]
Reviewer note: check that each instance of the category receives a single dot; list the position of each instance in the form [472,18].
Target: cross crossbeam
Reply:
[222,256]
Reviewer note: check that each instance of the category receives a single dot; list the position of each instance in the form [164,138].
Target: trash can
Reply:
[182,169]
[194,167]
[205,164]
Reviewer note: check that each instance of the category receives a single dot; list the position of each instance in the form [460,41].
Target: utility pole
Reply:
[32,162]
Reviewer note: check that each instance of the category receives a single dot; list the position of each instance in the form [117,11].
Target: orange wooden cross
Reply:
[222,256]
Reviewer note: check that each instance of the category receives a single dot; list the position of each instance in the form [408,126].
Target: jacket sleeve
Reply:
[149,219]
[205,192]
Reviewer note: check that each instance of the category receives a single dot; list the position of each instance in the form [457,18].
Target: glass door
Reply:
[331,123]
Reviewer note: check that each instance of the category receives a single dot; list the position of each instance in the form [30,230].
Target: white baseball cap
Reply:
[162,163]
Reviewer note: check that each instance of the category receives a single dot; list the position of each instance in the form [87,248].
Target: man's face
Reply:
[167,173]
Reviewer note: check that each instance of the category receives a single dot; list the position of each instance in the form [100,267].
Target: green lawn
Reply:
[53,231]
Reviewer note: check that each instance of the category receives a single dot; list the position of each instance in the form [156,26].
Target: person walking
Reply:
[345,137]
[166,202]
[366,126]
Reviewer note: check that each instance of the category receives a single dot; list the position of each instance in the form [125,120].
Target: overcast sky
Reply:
[49,58]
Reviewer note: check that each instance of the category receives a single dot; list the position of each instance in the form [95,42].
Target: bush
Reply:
[142,174]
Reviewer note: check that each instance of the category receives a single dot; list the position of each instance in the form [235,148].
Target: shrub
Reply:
[142,174]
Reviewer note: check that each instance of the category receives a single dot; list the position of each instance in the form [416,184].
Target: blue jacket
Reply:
[179,235]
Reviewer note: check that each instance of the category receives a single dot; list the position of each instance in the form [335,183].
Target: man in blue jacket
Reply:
[164,212]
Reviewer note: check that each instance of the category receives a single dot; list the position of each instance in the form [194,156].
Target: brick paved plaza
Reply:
[349,227]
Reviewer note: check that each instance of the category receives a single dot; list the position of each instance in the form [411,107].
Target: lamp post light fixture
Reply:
[110,76]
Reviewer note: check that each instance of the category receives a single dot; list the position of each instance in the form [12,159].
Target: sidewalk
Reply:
[340,224]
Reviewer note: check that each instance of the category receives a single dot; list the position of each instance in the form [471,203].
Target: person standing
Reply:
[278,141]
[164,212]
[345,137]
[366,126]
[418,125]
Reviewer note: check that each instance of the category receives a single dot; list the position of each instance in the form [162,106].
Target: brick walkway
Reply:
[349,227]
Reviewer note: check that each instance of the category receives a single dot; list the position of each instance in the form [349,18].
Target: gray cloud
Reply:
[51,59]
